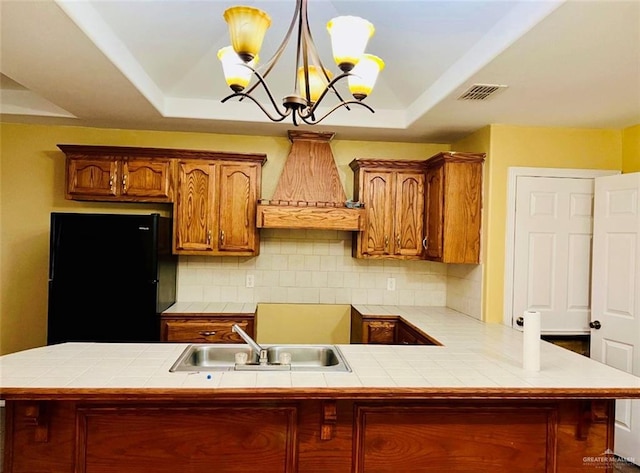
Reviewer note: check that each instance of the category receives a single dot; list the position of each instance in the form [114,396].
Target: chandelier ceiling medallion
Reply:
[349,37]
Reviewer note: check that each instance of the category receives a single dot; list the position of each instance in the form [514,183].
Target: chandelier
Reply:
[349,37]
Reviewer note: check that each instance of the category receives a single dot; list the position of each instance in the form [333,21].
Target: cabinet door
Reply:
[409,213]
[378,198]
[237,208]
[193,211]
[147,178]
[462,212]
[434,214]
[92,177]
[406,335]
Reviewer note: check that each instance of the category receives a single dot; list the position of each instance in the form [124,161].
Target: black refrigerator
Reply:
[110,277]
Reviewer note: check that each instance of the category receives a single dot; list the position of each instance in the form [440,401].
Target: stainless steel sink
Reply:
[211,357]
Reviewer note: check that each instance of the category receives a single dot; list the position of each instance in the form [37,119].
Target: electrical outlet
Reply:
[250,280]
[391,284]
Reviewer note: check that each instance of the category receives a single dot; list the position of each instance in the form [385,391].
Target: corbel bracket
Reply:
[37,416]
[329,419]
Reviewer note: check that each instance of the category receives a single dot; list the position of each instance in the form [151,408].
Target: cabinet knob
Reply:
[595,324]
[208,237]
[520,322]
[386,242]
[425,243]
[222,237]
[124,183]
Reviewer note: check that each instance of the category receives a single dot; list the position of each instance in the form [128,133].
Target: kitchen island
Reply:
[464,405]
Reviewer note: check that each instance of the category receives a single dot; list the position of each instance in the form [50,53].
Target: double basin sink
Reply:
[210,357]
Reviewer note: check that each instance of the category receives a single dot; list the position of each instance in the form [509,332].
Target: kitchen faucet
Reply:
[260,354]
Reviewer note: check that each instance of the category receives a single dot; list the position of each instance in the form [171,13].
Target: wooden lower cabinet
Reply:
[381,331]
[307,435]
[408,335]
[205,328]
[386,330]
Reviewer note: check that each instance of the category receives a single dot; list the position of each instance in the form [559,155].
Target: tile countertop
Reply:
[476,360]
[212,308]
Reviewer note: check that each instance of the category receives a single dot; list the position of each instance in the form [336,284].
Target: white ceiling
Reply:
[151,64]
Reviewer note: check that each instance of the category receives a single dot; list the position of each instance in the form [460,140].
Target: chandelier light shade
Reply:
[236,73]
[247,27]
[313,82]
[317,81]
[349,38]
[364,75]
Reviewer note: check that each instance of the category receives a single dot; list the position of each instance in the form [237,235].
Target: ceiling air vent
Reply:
[481,91]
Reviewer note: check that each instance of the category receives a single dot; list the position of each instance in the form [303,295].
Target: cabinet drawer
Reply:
[204,331]
[383,332]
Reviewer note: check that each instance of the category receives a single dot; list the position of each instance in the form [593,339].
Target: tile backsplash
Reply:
[464,289]
[307,266]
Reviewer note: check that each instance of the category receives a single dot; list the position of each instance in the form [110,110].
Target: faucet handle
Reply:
[264,359]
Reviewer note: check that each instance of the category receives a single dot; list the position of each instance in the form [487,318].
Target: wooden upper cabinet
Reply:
[409,213]
[377,193]
[453,207]
[435,213]
[193,222]
[111,173]
[214,194]
[237,230]
[393,196]
[91,178]
[215,208]
[148,178]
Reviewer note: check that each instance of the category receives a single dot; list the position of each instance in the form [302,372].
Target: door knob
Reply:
[595,324]
[520,322]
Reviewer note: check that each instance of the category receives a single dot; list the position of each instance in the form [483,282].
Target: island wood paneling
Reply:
[224,438]
[456,439]
[312,434]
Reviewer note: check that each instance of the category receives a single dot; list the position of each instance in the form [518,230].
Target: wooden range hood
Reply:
[309,194]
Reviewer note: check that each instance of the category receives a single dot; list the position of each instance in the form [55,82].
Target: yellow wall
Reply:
[32,186]
[304,323]
[532,147]
[480,142]
[631,149]
[2,238]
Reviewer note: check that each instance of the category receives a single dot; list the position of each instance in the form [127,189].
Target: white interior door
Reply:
[552,251]
[616,294]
